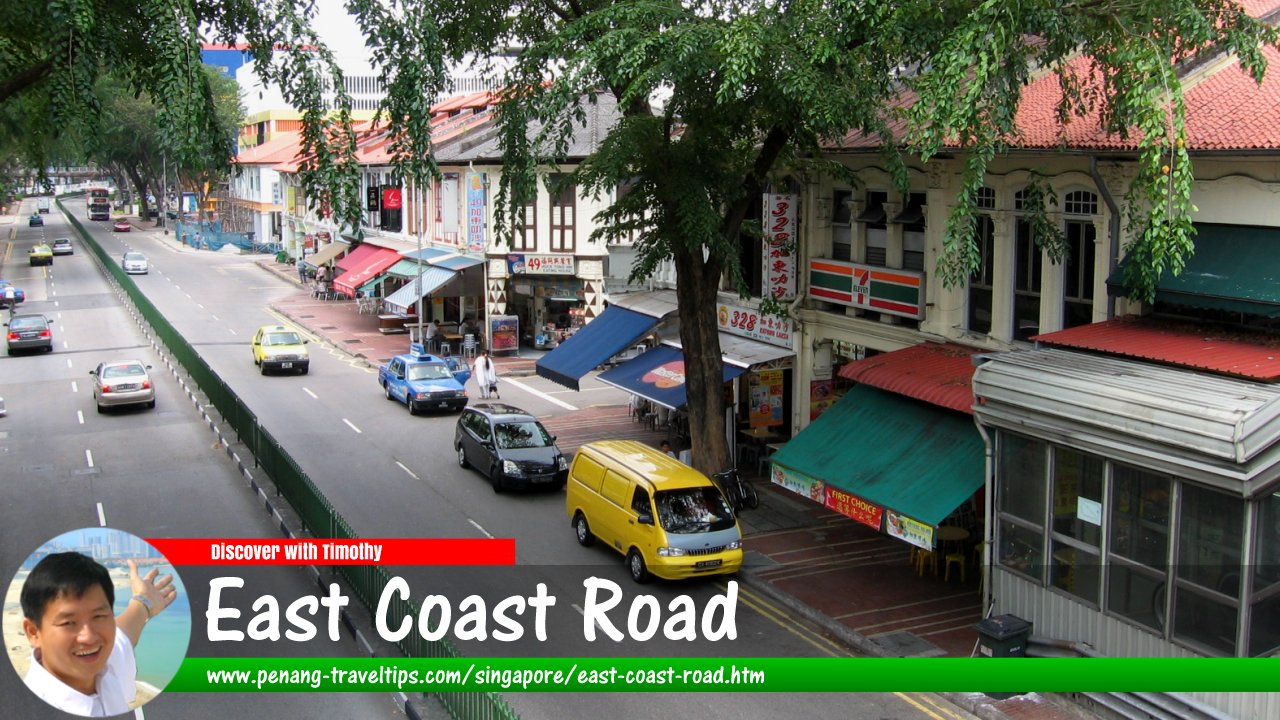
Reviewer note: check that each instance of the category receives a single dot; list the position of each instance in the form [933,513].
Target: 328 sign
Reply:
[744,320]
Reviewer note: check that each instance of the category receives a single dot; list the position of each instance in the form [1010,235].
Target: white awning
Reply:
[432,279]
[740,351]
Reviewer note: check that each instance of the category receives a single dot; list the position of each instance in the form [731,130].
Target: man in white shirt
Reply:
[80,663]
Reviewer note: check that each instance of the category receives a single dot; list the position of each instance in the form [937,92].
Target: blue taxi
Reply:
[423,381]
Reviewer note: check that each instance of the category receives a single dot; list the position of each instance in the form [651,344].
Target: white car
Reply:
[123,383]
[135,263]
[63,246]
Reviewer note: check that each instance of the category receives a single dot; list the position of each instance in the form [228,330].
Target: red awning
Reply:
[1240,353]
[936,373]
[356,256]
[373,265]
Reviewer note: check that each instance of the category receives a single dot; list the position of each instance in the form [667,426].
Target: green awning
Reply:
[405,269]
[1236,268]
[902,454]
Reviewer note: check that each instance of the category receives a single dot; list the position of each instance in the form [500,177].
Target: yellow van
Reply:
[668,519]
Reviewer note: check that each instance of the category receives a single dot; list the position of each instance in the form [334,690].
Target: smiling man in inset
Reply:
[80,663]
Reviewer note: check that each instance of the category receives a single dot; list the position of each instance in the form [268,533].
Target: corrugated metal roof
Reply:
[937,373]
[655,303]
[1218,430]
[741,351]
[1252,356]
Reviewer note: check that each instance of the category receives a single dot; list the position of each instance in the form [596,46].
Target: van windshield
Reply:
[693,510]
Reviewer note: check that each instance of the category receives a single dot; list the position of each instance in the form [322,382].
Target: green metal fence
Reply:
[318,516]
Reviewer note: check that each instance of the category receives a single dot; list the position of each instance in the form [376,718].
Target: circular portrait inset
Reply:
[96,622]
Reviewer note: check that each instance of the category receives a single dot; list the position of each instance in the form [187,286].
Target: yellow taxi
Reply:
[277,347]
[40,255]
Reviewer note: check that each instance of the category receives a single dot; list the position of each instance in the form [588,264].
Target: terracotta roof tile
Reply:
[937,373]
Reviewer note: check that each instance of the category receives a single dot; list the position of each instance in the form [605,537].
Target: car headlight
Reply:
[670,552]
[733,545]
[562,462]
[421,396]
[510,467]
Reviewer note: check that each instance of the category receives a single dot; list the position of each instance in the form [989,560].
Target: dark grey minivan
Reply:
[509,446]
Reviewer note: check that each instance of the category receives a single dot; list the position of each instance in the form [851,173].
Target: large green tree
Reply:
[748,91]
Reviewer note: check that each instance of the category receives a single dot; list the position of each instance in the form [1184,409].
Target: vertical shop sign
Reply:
[779,246]
[475,212]
[766,398]
[912,531]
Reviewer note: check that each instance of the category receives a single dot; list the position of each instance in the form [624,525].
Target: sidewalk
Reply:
[849,579]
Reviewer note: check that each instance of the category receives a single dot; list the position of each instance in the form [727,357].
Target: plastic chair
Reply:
[955,558]
[446,349]
[926,557]
[469,346]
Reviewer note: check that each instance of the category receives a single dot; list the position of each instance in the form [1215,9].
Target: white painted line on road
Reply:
[55,303]
[215,317]
[60,317]
[102,516]
[308,391]
[176,286]
[233,332]
[80,416]
[68,362]
[353,427]
[88,456]
[539,393]
[189,296]
[402,467]
[486,532]
[74,386]
[65,345]
[200,306]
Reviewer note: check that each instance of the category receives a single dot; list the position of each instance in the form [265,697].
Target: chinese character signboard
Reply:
[799,484]
[913,531]
[854,507]
[751,323]
[475,212]
[886,290]
[527,264]
[779,246]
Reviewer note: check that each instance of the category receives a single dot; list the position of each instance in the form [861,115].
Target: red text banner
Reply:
[321,551]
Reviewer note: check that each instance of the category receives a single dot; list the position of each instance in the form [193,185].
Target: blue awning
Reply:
[455,262]
[614,331]
[433,278]
[658,375]
[426,253]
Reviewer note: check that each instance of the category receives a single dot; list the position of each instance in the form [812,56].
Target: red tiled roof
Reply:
[1226,109]
[282,148]
[1252,356]
[937,373]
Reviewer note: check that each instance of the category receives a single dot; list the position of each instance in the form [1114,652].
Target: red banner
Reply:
[391,198]
[320,551]
[854,507]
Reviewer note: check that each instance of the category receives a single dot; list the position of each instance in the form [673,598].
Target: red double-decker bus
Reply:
[99,203]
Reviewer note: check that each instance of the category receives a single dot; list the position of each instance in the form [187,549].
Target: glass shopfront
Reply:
[1160,552]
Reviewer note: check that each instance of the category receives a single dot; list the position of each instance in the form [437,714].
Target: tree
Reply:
[754,88]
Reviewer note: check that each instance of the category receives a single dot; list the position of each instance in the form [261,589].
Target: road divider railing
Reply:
[316,513]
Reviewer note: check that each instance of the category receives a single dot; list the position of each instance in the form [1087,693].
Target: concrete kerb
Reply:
[290,525]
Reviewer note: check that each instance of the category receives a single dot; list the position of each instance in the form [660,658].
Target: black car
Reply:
[510,446]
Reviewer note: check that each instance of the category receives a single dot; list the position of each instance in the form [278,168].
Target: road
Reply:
[392,475]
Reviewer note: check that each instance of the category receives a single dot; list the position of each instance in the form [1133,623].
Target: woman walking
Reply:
[486,375]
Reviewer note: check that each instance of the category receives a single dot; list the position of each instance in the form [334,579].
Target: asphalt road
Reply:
[154,473]
[393,475]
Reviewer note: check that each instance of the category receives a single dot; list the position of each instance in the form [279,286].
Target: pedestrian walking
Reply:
[302,272]
[486,375]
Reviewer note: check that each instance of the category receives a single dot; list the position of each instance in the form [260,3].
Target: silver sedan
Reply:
[123,383]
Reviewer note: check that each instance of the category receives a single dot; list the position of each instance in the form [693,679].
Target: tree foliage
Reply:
[750,91]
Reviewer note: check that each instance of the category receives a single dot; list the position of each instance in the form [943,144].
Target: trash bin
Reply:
[1003,636]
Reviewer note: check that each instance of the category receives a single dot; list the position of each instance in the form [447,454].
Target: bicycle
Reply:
[740,493]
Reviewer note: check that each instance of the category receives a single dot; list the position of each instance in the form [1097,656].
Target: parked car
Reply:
[121,226]
[36,220]
[40,255]
[509,446]
[423,381]
[8,299]
[63,246]
[30,332]
[276,347]
[134,263]
[123,383]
